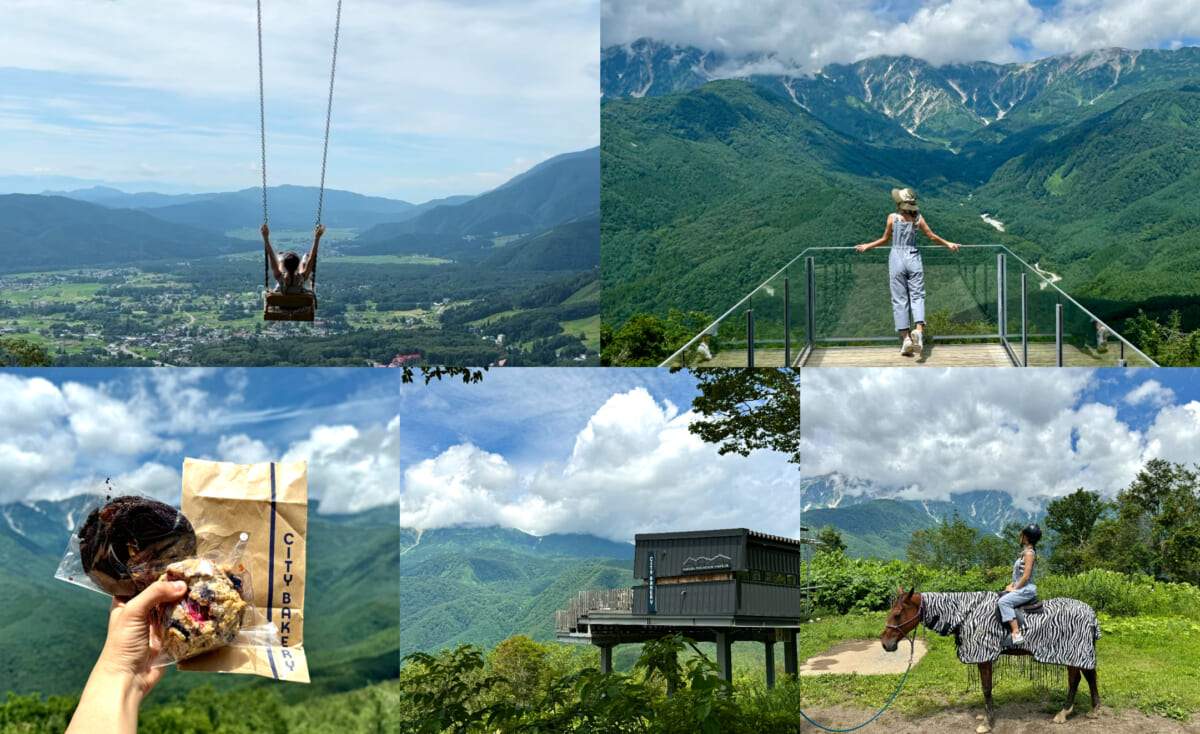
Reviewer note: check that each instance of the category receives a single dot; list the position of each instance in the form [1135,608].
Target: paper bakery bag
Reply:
[269,502]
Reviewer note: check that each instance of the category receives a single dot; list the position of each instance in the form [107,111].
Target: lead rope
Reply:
[262,128]
[912,642]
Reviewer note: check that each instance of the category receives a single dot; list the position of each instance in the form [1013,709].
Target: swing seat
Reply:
[289,306]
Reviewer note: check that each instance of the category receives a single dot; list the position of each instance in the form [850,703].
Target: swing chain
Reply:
[262,114]
[337,26]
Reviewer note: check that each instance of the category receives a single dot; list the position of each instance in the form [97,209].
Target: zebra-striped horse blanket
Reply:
[1064,634]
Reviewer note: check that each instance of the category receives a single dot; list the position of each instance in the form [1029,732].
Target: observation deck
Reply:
[984,307]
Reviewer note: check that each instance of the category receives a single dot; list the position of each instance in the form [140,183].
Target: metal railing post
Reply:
[1024,322]
[750,337]
[1058,332]
[811,268]
[787,322]
[1001,317]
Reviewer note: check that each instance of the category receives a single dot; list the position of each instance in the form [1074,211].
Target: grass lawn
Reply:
[1144,663]
[494,317]
[590,327]
[389,259]
[591,291]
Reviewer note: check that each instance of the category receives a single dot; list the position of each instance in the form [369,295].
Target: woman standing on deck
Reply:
[905,273]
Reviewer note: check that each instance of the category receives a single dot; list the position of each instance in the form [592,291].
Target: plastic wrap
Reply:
[217,610]
[121,532]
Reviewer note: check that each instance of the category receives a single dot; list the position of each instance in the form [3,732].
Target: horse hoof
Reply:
[1093,714]
[1060,717]
[982,729]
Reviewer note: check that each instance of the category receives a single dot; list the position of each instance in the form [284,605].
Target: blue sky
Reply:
[1029,432]
[545,450]
[432,98]
[809,35]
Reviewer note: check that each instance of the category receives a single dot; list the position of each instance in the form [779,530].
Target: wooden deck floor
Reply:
[934,355]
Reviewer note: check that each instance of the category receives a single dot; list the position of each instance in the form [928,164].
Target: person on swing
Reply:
[1022,589]
[905,272]
[292,272]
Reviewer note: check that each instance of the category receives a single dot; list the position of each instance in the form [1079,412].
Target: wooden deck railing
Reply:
[602,600]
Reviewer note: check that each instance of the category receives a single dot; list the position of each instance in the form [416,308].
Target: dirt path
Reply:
[1010,719]
[865,657]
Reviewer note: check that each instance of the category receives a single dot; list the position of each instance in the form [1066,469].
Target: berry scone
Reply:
[209,615]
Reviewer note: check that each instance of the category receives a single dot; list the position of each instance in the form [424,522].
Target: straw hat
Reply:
[906,198]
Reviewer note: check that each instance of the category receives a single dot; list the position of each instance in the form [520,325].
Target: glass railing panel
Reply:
[845,301]
[853,297]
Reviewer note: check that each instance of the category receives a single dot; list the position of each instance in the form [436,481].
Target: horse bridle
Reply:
[912,641]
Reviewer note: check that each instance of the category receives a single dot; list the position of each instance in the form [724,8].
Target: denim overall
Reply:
[906,275]
[1017,597]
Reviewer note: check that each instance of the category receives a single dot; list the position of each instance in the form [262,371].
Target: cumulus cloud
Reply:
[1151,392]
[241,449]
[1030,434]
[448,88]
[813,34]
[61,438]
[634,467]
[1175,434]
[351,468]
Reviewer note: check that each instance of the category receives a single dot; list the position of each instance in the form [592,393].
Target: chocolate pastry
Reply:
[129,532]
[209,615]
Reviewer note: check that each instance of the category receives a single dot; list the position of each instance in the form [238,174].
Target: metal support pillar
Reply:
[811,316]
[770,650]
[1058,332]
[791,657]
[606,658]
[787,323]
[725,656]
[1001,316]
[750,337]
[1024,322]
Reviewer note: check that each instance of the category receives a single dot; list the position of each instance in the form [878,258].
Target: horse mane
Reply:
[945,612]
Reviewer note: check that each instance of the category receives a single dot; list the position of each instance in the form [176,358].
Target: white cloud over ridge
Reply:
[811,35]
[59,440]
[1030,433]
[634,468]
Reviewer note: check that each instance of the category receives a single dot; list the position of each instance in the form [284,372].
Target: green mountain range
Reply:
[712,186]
[482,585]
[54,232]
[51,632]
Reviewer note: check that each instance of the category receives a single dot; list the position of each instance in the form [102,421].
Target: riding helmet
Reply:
[1032,533]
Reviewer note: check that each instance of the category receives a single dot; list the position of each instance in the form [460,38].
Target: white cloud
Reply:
[351,468]
[170,89]
[1152,392]
[1028,433]
[151,479]
[1175,434]
[464,485]
[634,467]
[241,449]
[814,34]
[101,423]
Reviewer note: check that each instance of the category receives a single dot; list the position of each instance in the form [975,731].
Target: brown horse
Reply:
[910,611]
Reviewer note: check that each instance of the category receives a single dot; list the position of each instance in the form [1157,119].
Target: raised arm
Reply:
[266,235]
[952,246]
[310,260]
[887,235]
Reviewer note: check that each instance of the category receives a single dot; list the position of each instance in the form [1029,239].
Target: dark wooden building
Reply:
[720,586]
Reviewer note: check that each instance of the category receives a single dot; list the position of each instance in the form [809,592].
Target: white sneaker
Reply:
[918,341]
[1018,640]
[907,348]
